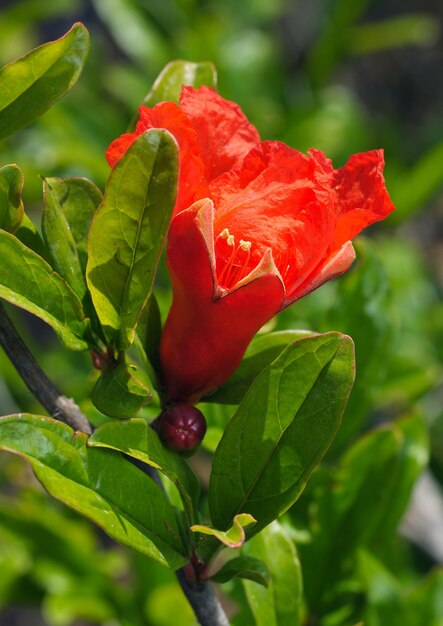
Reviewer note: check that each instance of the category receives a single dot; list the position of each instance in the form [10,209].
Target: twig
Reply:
[58,405]
[202,598]
[200,594]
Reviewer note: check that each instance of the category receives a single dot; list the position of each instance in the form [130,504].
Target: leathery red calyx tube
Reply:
[257,226]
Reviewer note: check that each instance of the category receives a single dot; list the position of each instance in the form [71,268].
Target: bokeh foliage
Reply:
[339,75]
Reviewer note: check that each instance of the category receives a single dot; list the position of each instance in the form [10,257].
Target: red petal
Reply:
[362,198]
[118,147]
[205,336]
[168,115]
[333,266]
[224,133]
[279,199]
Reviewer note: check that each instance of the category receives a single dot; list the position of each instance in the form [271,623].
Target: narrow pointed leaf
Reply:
[27,281]
[234,537]
[246,567]
[169,82]
[99,484]
[69,207]
[11,203]
[281,603]
[33,83]
[128,232]
[60,242]
[260,353]
[137,439]
[121,391]
[281,430]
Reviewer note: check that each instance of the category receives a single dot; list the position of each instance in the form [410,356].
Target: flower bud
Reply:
[181,427]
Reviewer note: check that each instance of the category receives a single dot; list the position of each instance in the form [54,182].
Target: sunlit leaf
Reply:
[234,537]
[99,484]
[281,430]
[33,83]
[128,232]
[138,440]
[27,281]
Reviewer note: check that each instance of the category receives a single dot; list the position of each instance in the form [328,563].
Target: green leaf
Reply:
[261,352]
[363,501]
[27,281]
[11,203]
[99,484]
[28,234]
[281,430]
[169,82]
[384,603]
[128,232]
[67,214]
[148,335]
[33,83]
[174,75]
[424,604]
[138,440]
[121,391]
[234,537]
[413,458]
[280,604]
[247,567]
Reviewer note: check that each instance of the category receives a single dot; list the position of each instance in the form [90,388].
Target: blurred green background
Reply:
[340,75]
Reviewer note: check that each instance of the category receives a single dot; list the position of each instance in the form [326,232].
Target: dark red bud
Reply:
[181,427]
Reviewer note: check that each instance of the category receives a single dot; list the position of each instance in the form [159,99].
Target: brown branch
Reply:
[58,405]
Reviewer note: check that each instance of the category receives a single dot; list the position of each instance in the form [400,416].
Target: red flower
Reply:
[257,226]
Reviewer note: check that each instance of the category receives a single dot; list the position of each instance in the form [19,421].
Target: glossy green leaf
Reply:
[99,484]
[11,203]
[281,430]
[138,440]
[280,604]
[67,214]
[169,82]
[27,281]
[33,83]
[235,536]
[121,391]
[128,232]
[247,567]
[174,75]
[260,353]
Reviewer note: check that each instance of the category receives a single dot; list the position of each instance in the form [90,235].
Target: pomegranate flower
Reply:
[257,225]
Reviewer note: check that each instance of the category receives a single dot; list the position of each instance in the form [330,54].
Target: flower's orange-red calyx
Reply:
[257,225]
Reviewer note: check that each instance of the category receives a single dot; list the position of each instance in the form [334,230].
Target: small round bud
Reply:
[181,427]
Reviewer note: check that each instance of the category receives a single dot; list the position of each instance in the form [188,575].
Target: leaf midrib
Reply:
[272,450]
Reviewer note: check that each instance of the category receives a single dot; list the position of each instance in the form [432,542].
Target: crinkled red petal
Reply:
[361,195]
[224,133]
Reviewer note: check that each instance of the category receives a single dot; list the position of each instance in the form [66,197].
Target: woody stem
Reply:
[58,405]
